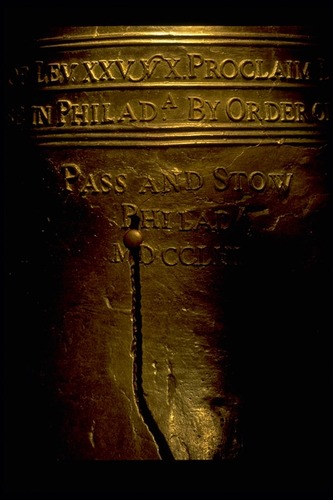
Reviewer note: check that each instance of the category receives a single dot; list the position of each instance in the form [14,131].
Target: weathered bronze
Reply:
[172,185]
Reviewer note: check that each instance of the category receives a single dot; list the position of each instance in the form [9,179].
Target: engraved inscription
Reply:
[256,180]
[238,109]
[228,196]
[102,182]
[172,181]
[167,67]
[215,219]
[220,179]
[174,255]
[190,108]
[173,90]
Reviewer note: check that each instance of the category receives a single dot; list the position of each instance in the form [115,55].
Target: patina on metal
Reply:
[179,185]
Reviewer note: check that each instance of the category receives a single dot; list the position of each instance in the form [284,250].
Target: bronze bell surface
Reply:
[172,187]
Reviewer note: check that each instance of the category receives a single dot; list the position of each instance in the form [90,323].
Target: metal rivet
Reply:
[133,238]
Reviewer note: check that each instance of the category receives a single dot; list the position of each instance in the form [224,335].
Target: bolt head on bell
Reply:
[133,238]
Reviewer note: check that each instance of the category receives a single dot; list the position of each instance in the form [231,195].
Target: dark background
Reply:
[286,356]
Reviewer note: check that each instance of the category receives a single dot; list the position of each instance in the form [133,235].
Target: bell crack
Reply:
[137,353]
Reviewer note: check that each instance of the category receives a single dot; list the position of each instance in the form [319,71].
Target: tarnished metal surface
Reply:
[210,145]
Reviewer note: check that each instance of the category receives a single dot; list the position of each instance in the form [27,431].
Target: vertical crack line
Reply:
[162,444]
